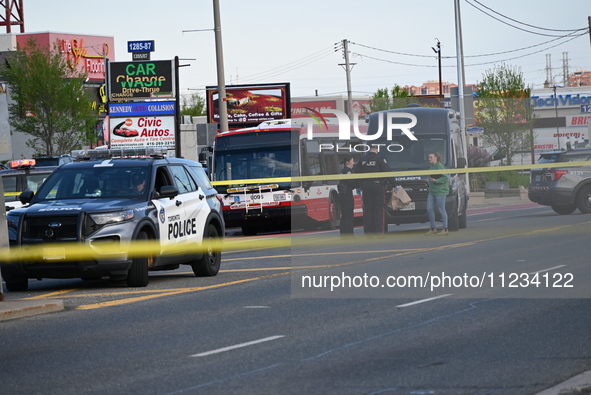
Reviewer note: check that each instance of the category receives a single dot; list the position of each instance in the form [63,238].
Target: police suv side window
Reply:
[183,179]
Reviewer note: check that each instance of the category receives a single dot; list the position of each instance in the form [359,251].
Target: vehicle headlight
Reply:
[112,218]
[13,221]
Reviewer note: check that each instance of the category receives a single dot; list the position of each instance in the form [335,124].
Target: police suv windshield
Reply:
[95,182]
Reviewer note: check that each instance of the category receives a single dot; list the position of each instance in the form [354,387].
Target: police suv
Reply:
[563,188]
[106,200]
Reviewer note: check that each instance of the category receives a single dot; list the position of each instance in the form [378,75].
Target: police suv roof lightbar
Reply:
[101,153]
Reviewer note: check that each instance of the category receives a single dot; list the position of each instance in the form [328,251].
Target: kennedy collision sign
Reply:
[141,80]
[141,124]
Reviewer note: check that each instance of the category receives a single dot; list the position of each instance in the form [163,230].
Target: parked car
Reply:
[107,201]
[563,188]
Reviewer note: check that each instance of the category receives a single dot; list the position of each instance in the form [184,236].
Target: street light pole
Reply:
[556,111]
[222,103]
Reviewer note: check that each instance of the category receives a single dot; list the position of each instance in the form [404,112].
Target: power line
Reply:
[474,64]
[519,28]
[525,24]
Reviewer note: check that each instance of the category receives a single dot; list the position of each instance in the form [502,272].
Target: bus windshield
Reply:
[253,163]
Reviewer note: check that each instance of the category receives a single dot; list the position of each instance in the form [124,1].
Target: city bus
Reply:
[262,159]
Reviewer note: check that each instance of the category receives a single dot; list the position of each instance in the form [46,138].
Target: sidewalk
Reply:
[12,309]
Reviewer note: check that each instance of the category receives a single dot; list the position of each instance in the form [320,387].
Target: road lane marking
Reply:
[423,301]
[547,270]
[169,293]
[241,345]
[51,294]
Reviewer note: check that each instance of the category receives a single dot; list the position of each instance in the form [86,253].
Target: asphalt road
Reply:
[255,329]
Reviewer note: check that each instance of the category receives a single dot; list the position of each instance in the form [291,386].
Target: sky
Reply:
[300,42]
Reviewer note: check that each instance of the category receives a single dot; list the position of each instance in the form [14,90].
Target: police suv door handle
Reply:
[178,203]
[201,197]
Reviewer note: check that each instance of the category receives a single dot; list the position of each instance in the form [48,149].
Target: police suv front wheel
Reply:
[209,263]
[138,272]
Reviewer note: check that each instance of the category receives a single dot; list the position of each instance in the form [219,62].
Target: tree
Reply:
[49,101]
[398,97]
[193,105]
[502,109]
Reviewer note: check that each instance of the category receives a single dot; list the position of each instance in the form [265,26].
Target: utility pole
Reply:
[460,66]
[438,52]
[219,55]
[348,67]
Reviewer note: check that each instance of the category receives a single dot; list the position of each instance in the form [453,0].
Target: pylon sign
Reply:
[141,80]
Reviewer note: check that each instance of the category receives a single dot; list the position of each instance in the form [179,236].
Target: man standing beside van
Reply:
[374,193]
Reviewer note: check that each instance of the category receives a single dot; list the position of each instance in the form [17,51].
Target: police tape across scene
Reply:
[472,170]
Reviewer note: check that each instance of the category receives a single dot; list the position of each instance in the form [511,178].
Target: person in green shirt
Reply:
[438,191]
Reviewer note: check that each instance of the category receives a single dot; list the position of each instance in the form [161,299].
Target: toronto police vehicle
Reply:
[564,189]
[108,199]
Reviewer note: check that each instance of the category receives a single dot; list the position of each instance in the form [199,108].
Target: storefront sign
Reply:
[141,80]
[152,108]
[148,131]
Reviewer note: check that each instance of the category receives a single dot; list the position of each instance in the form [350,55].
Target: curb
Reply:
[577,385]
[14,309]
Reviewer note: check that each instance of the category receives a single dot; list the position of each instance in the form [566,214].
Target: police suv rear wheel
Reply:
[584,200]
[209,264]
[138,272]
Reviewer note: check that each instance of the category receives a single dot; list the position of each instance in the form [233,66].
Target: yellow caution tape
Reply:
[409,173]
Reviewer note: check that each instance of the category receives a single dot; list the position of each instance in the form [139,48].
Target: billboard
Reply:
[141,80]
[142,124]
[250,104]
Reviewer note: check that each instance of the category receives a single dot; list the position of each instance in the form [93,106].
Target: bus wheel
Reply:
[333,214]
[249,230]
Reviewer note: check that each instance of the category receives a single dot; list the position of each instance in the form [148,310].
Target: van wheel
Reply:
[17,284]
[209,264]
[564,210]
[584,200]
[463,220]
[137,276]
[453,220]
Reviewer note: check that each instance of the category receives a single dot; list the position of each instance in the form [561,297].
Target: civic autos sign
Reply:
[141,80]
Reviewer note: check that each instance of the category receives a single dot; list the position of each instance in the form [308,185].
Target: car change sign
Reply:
[140,80]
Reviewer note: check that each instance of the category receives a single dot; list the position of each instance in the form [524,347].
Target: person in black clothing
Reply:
[374,192]
[346,203]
